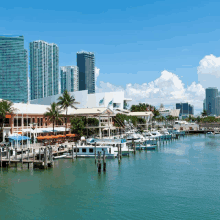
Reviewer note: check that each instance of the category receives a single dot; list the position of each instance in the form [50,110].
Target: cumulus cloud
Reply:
[209,71]
[97,71]
[167,89]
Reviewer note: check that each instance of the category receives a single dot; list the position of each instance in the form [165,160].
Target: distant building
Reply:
[217,105]
[166,112]
[185,109]
[204,104]
[69,78]
[111,100]
[44,69]
[13,69]
[211,94]
[86,65]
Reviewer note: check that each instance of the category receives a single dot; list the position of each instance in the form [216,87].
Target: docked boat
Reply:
[59,157]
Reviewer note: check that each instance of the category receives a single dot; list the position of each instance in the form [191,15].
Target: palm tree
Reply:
[5,107]
[65,101]
[53,114]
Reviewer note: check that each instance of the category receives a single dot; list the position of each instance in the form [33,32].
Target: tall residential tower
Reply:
[86,65]
[44,69]
[13,69]
[69,78]
[211,94]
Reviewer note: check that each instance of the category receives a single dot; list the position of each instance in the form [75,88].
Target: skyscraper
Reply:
[44,69]
[211,94]
[185,109]
[86,65]
[13,69]
[69,77]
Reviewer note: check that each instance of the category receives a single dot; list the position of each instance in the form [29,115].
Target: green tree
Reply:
[77,125]
[204,113]
[5,107]
[65,101]
[53,114]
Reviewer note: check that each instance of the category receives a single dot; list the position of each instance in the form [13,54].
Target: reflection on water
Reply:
[179,180]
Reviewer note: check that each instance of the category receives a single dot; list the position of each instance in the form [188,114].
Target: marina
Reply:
[178,180]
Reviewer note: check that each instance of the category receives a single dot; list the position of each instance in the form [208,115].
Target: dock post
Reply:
[99,162]
[39,151]
[16,153]
[104,161]
[1,156]
[45,158]
[95,152]
[9,157]
[128,151]
[33,155]
[133,144]
[28,158]
[120,152]
[72,153]
[76,150]
[22,156]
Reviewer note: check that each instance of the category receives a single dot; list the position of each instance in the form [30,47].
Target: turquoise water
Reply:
[180,180]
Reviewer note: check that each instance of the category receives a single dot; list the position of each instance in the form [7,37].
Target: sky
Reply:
[154,51]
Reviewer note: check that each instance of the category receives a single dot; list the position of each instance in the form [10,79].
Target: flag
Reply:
[111,102]
[101,102]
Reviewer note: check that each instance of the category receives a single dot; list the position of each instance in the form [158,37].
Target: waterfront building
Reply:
[185,109]
[44,69]
[217,105]
[86,65]
[69,78]
[211,94]
[111,100]
[166,112]
[13,69]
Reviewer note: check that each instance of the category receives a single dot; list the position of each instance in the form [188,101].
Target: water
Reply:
[180,180]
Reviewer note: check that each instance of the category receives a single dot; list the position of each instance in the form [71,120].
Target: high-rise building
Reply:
[211,94]
[86,65]
[217,105]
[13,69]
[69,78]
[185,109]
[44,69]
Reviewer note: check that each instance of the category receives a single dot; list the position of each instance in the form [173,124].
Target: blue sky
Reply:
[133,41]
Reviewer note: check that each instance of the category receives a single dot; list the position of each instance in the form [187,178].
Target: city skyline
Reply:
[142,45]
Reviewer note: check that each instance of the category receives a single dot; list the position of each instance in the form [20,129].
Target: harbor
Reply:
[178,180]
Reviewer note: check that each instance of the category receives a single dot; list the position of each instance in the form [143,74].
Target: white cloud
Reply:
[167,89]
[97,71]
[209,71]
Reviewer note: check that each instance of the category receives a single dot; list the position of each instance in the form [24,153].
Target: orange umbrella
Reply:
[61,135]
[70,135]
[47,137]
[40,138]
[54,136]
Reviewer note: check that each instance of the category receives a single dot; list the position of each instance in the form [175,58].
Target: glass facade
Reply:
[14,69]
[185,109]
[211,94]
[69,77]
[86,65]
[44,69]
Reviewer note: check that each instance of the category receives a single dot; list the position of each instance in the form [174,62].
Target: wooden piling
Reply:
[9,157]
[33,155]
[39,151]
[119,159]
[95,152]
[22,156]
[99,162]
[45,158]
[104,162]
[76,150]
[120,151]
[133,144]
[16,153]
[28,157]
[1,156]
[72,153]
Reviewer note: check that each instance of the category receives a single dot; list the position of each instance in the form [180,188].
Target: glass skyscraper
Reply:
[211,94]
[44,69]
[86,65]
[69,78]
[13,69]
[185,109]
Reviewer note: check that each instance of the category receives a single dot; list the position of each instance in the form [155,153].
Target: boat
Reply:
[59,157]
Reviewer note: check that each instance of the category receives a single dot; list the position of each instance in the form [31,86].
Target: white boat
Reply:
[59,157]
